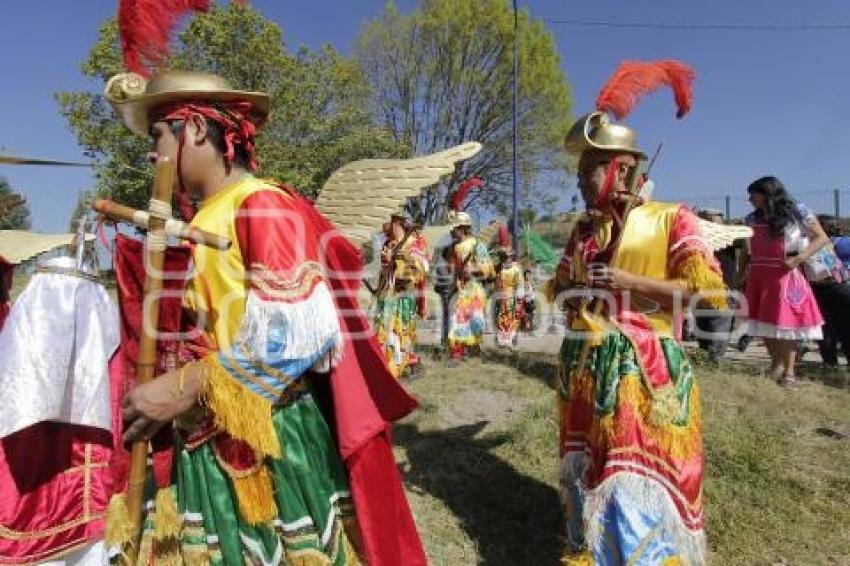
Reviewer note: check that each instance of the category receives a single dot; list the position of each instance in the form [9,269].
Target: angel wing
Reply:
[719,236]
[359,197]
[17,246]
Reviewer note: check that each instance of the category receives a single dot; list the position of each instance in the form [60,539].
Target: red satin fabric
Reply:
[54,488]
[130,277]
[54,483]
[366,398]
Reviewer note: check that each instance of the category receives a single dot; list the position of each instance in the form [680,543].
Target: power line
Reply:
[724,27]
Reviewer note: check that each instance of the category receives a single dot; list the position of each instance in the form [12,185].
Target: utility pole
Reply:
[728,207]
[837,203]
[515,213]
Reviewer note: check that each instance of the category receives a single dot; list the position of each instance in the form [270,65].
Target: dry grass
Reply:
[479,460]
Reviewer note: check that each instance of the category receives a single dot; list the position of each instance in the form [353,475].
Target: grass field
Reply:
[479,460]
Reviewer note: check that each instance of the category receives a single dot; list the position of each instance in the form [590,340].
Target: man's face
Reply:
[165,143]
[397,229]
[592,170]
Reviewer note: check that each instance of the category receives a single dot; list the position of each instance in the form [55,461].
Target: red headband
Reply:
[238,129]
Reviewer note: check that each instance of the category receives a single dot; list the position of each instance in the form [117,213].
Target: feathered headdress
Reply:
[634,79]
[463,190]
[145,28]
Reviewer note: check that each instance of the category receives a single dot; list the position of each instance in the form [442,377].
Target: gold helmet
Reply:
[595,131]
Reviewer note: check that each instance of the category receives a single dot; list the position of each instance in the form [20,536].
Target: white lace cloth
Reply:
[54,350]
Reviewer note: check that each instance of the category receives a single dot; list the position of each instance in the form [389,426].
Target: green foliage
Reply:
[443,75]
[320,118]
[17,218]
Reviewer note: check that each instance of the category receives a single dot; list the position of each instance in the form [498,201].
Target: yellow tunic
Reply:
[219,286]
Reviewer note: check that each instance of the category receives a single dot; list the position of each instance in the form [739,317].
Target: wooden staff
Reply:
[157,220]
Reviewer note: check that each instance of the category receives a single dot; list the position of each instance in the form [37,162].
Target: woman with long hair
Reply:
[780,303]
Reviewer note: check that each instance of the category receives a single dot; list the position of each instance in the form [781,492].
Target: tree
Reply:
[443,75]
[16,217]
[320,103]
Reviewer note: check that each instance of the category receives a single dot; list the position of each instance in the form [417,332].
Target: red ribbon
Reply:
[231,116]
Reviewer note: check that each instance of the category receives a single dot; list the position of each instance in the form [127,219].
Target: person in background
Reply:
[404,264]
[781,307]
[832,292]
[529,300]
[472,267]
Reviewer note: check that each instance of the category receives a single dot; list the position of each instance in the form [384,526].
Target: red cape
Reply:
[365,397]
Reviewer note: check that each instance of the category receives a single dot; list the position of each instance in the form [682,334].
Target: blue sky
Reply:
[765,102]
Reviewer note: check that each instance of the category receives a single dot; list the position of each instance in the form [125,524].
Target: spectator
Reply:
[832,292]
[782,308]
[529,300]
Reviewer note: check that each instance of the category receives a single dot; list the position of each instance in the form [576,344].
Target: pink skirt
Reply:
[780,304]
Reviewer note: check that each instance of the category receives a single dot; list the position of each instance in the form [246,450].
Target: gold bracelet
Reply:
[177,388]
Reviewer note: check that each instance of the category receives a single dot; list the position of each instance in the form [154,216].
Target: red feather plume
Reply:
[504,236]
[633,79]
[145,27]
[460,194]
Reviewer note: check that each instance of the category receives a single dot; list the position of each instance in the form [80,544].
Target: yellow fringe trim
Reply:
[244,415]
[195,556]
[164,553]
[581,559]
[672,561]
[699,277]
[665,405]
[681,443]
[594,324]
[308,557]
[120,530]
[146,552]
[255,495]
[168,522]
[352,541]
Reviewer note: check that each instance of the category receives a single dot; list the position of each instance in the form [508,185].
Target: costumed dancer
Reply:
[404,263]
[281,451]
[472,265]
[529,301]
[508,288]
[57,424]
[630,424]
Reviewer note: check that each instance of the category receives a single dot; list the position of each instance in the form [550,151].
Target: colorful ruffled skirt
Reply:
[631,457]
[315,514]
[467,323]
[395,326]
